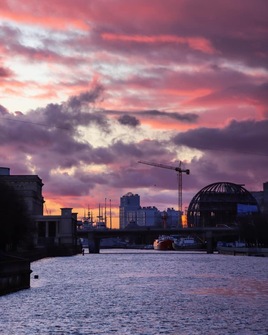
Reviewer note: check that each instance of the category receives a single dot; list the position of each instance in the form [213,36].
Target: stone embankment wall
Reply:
[15,271]
[14,274]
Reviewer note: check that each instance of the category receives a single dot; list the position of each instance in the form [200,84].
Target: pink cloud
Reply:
[40,14]
[196,43]
[190,72]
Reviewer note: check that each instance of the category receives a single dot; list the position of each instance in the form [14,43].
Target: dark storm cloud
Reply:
[187,117]
[49,139]
[68,185]
[44,124]
[77,111]
[54,128]
[128,116]
[134,151]
[248,136]
[77,102]
[128,120]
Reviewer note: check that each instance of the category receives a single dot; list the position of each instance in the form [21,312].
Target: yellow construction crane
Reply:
[179,171]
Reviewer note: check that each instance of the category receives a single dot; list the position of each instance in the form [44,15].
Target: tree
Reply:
[16,225]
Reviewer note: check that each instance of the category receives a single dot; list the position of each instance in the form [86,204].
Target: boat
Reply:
[187,243]
[163,242]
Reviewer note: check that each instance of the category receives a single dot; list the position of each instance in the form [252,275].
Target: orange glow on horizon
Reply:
[52,207]
[184,220]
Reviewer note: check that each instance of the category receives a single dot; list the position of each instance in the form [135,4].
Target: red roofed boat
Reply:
[163,242]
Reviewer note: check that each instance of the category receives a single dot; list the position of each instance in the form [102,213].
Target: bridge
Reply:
[147,235]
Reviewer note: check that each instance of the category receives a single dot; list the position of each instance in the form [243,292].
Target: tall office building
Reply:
[131,212]
[129,205]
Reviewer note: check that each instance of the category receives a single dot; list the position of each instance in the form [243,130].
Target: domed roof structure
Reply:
[220,203]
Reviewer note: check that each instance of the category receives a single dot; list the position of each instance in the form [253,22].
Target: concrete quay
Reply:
[14,274]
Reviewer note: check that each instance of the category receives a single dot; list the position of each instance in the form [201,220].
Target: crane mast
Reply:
[179,171]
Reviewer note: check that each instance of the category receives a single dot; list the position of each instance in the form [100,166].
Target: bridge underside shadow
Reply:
[207,234]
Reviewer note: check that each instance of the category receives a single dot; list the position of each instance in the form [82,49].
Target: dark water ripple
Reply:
[141,293]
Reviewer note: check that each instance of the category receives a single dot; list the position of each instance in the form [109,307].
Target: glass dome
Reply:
[220,204]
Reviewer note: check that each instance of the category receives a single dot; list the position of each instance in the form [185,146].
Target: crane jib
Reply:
[177,169]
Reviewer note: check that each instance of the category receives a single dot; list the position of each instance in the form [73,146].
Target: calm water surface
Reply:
[141,293]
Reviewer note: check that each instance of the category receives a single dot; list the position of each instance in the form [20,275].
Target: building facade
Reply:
[129,206]
[56,230]
[50,230]
[28,187]
[148,217]
[130,211]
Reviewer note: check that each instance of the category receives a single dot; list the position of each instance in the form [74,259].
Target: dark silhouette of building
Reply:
[221,203]
[28,187]
[56,231]
[262,199]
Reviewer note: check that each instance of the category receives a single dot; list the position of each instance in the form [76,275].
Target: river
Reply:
[141,293]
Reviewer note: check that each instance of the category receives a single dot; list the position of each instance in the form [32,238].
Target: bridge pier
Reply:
[93,244]
[211,234]
[209,239]
[96,249]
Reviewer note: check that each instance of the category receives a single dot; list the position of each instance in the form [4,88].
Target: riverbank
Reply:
[15,267]
[243,251]
[43,252]
[14,274]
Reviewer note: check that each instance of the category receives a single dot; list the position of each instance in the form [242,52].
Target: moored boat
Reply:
[163,242]
[187,243]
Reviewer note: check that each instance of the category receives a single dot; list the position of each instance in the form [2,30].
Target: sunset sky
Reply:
[90,87]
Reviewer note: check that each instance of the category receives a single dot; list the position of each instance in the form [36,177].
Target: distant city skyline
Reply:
[89,88]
